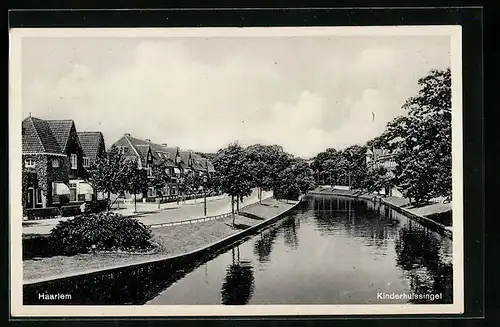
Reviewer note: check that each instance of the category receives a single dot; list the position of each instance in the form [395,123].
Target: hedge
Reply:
[42,213]
[72,210]
[64,211]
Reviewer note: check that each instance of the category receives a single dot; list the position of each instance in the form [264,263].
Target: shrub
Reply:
[42,213]
[69,211]
[106,231]
[96,206]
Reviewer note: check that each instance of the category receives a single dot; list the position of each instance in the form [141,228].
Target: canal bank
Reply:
[400,205]
[180,244]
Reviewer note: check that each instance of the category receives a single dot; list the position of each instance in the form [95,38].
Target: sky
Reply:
[305,93]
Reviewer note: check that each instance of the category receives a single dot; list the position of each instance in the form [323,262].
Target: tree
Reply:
[356,165]
[107,172]
[159,177]
[294,180]
[234,173]
[378,179]
[192,182]
[135,180]
[422,139]
[262,160]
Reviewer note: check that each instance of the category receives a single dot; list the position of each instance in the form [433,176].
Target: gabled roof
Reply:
[61,130]
[91,142]
[162,153]
[38,137]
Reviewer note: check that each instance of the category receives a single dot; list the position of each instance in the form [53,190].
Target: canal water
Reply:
[327,251]
[331,251]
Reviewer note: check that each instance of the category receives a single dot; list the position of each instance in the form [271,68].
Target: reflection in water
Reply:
[290,234]
[329,251]
[239,282]
[418,253]
[264,244]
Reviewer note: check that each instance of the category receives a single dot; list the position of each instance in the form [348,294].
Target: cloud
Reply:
[170,92]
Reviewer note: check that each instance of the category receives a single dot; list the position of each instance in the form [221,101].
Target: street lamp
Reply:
[205,194]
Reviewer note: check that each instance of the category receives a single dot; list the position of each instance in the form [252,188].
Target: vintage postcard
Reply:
[236,171]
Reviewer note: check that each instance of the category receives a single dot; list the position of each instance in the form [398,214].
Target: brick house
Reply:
[93,147]
[52,163]
[178,162]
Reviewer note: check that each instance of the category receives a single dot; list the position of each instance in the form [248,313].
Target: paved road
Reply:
[191,211]
[169,212]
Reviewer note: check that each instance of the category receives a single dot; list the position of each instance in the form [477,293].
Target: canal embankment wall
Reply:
[395,205]
[177,261]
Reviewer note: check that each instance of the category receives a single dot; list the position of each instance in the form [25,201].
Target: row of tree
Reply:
[112,173]
[420,139]
[266,167]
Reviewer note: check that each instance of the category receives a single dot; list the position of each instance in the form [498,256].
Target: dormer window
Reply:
[122,149]
[74,161]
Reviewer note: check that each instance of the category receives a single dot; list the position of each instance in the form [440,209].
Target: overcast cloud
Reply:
[306,93]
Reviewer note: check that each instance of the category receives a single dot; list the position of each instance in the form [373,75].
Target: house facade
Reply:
[376,158]
[93,147]
[178,163]
[52,164]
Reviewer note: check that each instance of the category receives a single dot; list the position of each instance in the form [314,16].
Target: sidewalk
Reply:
[149,214]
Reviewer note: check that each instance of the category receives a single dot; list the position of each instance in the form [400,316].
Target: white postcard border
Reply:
[17,308]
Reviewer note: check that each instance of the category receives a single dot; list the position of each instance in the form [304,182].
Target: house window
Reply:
[29,163]
[55,163]
[74,161]
[150,171]
[38,196]
[122,149]
[86,162]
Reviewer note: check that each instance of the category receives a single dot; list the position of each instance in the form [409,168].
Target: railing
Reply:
[201,219]
[191,221]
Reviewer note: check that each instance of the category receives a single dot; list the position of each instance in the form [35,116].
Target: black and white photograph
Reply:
[236,171]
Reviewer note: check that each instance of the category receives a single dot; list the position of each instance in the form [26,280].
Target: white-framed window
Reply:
[149,170]
[39,196]
[55,163]
[29,163]
[86,162]
[122,149]
[74,161]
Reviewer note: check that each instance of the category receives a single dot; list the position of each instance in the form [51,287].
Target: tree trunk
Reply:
[260,195]
[109,200]
[135,202]
[232,207]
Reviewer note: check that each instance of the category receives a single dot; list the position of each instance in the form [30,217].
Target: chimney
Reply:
[148,140]
[127,134]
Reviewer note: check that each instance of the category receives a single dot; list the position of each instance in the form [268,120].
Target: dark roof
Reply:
[167,154]
[90,142]
[38,136]
[61,130]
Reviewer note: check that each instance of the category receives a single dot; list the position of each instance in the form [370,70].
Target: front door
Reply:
[30,203]
[72,191]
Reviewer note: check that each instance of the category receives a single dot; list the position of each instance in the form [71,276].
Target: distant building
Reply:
[52,164]
[177,162]
[376,158]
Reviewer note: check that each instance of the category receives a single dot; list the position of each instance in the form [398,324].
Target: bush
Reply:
[96,206]
[69,211]
[42,213]
[106,231]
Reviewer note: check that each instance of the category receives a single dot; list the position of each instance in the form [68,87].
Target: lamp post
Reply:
[205,195]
